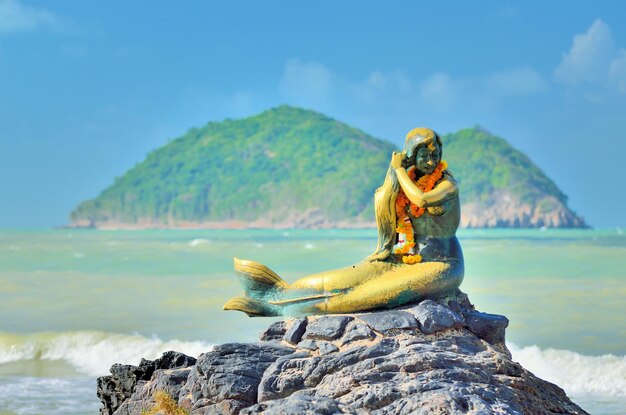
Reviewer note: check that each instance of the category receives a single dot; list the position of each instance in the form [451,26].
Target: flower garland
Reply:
[404,227]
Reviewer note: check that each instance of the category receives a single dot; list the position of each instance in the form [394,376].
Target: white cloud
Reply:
[594,59]
[439,91]
[18,17]
[379,86]
[617,71]
[518,81]
[589,56]
[397,80]
[308,82]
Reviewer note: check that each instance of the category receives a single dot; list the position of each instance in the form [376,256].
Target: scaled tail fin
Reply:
[251,306]
[257,279]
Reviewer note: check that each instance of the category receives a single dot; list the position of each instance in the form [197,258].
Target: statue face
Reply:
[427,157]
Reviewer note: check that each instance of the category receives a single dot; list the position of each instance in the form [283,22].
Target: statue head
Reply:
[422,147]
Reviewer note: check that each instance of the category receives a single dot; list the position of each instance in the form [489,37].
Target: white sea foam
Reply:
[52,396]
[309,245]
[577,374]
[199,241]
[91,352]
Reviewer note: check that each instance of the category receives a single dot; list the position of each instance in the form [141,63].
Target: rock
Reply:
[489,327]
[168,380]
[275,331]
[326,348]
[308,344]
[358,331]
[384,321]
[295,332]
[115,389]
[298,404]
[229,375]
[341,366]
[434,317]
[326,327]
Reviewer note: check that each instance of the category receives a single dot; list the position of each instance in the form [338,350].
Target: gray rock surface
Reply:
[357,331]
[453,362]
[226,379]
[275,331]
[489,327]
[434,317]
[126,380]
[326,327]
[388,320]
[294,334]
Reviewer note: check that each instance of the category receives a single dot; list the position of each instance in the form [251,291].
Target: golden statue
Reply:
[418,255]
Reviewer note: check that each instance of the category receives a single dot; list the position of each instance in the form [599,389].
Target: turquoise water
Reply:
[73,301]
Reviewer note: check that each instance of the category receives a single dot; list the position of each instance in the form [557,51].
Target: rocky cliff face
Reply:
[433,358]
[505,210]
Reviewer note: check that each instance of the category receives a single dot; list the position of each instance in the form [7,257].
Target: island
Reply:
[272,170]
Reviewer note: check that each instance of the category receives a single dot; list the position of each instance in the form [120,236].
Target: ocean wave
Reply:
[91,352]
[199,241]
[577,374]
[34,396]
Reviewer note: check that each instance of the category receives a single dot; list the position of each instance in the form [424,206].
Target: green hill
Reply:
[289,167]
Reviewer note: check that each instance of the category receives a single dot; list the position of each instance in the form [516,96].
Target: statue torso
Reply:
[435,231]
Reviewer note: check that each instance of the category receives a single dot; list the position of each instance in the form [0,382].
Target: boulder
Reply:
[126,380]
[385,321]
[295,332]
[434,317]
[489,327]
[435,357]
[326,327]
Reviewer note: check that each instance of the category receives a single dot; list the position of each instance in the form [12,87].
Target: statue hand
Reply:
[397,159]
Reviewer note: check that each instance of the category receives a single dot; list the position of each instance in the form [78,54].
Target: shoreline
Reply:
[240,225]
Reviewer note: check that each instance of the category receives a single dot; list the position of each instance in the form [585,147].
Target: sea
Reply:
[73,302]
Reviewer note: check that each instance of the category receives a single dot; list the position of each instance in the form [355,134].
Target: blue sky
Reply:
[88,88]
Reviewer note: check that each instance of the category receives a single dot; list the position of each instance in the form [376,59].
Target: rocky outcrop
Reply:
[128,387]
[503,210]
[436,357]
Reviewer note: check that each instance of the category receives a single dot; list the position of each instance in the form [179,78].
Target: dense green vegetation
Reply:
[269,165]
[483,163]
[287,160]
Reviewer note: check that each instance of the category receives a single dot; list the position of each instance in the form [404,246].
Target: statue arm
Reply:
[444,191]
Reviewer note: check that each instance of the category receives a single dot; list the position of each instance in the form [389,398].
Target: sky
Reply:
[88,88]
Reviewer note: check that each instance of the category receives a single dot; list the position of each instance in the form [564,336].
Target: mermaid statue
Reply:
[418,255]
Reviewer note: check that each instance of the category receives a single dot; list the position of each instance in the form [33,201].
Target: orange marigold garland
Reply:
[426,183]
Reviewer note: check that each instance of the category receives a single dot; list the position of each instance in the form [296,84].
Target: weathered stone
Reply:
[169,381]
[326,327]
[275,331]
[230,374]
[114,390]
[308,344]
[457,301]
[295,332]
[300,404]
[434,317]
[489,327]
[326,348]
[357,331]
[399,371]
[384,321]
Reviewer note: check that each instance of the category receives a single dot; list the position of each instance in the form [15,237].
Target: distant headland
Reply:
[293,168]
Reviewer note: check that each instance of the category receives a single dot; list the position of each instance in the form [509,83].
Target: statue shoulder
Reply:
[447,175]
